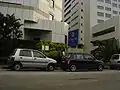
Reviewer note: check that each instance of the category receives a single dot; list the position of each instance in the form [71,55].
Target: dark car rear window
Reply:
[70,56]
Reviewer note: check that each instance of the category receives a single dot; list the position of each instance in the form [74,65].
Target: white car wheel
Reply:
[73,68]
[51,67]
[100,68]
[17,67]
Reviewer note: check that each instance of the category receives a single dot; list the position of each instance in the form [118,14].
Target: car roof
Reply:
[26,49]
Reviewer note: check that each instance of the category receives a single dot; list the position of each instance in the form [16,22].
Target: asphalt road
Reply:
[40,80]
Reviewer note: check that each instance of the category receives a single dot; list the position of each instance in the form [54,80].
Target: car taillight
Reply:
[68,62]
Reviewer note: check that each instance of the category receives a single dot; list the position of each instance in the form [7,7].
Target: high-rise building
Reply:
[73,14]
[82,15]
[41,19]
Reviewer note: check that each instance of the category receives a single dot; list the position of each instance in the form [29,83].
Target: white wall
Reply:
[58,29]
[41,22]
[114,22]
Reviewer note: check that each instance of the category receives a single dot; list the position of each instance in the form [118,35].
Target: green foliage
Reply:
[52,46]
[55,50]
[61,47]
[106,49]
[9,27]
[51,54]
[111,47]
[39,45]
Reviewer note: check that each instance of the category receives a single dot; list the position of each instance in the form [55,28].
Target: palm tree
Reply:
[9,27]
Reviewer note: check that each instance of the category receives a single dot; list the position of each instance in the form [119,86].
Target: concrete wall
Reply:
[34,14]
[114,22]
[57,29]
[87,26]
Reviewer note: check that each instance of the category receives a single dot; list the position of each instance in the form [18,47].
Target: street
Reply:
[40,80]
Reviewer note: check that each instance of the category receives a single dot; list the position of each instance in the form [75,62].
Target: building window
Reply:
[101,0]
[108,1]
[100,14]
[114,5]
[51,17]
[67,8]
[75,5]
[67,19]
[81,17]
[107,8]
[115,12]
[100,21]
[74,18]
[74,12]
[52,3]
[68,2]
[74,24]
[81,10]
[73,1]
[81,24]
[103,32]
[100,7]
[108,15]
[65,0]
[67,13]
[81,3]
[115,0]
[68,23]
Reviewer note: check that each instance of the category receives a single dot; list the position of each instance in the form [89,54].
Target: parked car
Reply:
[115,61]
[24,58]
[75,61]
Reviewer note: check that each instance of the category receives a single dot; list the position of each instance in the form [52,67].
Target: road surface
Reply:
[40,80]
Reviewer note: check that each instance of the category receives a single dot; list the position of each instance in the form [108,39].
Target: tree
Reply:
[111,47]
[106,49]
[98,52]
[55,50]
[52,46]
[9,27]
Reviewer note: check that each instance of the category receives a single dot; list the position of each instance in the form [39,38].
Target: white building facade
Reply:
[108,30]
[41,18]
[73,14]
[84,14]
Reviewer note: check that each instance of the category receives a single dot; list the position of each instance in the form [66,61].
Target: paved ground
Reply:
[40,80]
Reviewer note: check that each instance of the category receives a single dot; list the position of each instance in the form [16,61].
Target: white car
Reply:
[115,61]
[24,58]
